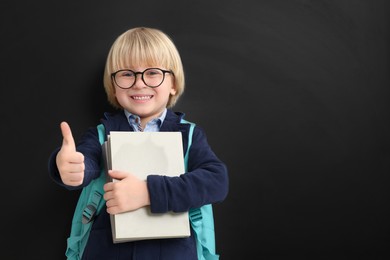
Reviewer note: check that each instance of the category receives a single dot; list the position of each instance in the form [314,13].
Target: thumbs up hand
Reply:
[70,163]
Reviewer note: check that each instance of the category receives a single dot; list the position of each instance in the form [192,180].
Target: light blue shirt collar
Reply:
[152,126]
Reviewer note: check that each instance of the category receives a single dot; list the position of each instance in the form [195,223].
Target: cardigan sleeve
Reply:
[205,182]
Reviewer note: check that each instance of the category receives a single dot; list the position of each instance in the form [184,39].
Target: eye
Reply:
[126,74]
[153,72]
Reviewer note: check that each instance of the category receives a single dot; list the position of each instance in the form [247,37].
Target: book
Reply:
[144,153]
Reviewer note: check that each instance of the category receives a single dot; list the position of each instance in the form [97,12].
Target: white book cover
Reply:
[144,153]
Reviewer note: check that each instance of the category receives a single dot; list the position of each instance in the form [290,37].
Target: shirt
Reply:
[152,126]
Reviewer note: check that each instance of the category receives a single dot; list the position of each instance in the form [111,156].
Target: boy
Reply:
[143,79]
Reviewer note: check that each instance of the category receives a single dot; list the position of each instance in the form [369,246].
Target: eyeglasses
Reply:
[152,77]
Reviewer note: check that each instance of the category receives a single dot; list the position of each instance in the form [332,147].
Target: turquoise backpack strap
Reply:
[201,219]
[90,202]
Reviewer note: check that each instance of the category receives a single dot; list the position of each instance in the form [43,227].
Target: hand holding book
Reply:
[126,193]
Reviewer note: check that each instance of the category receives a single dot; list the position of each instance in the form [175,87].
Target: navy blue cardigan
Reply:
[206,182]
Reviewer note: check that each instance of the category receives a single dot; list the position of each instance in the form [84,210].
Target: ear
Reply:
[173,90]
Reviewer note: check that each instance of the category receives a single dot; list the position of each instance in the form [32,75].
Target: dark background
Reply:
[293,95]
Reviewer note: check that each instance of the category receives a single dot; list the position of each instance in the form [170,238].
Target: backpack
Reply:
[91,202]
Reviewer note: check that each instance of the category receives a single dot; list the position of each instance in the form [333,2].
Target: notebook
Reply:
[144,153]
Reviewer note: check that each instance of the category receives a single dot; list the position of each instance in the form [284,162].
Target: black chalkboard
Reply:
[293,95]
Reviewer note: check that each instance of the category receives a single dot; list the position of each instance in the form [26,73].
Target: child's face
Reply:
[144,101]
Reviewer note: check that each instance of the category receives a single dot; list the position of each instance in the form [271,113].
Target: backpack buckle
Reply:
[88,214]
[195,215]
[90,210]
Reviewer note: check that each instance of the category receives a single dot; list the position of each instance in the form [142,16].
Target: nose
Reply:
[138,80]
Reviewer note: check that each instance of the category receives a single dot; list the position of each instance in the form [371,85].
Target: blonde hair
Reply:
[143,46]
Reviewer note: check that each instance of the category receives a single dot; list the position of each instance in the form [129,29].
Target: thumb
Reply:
[68,141]
[119,175]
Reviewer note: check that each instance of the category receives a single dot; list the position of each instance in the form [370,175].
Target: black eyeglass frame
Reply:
[142,76]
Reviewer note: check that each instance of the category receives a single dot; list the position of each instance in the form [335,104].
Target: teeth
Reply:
[141,97]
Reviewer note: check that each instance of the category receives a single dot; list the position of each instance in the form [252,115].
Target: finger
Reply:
[108,187]
[112,210]
[75,178]
[68,141]
[111,203]
[119,175]
[108,195]
[75,167]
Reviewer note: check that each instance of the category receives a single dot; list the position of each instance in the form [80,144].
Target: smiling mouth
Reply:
[147,97]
